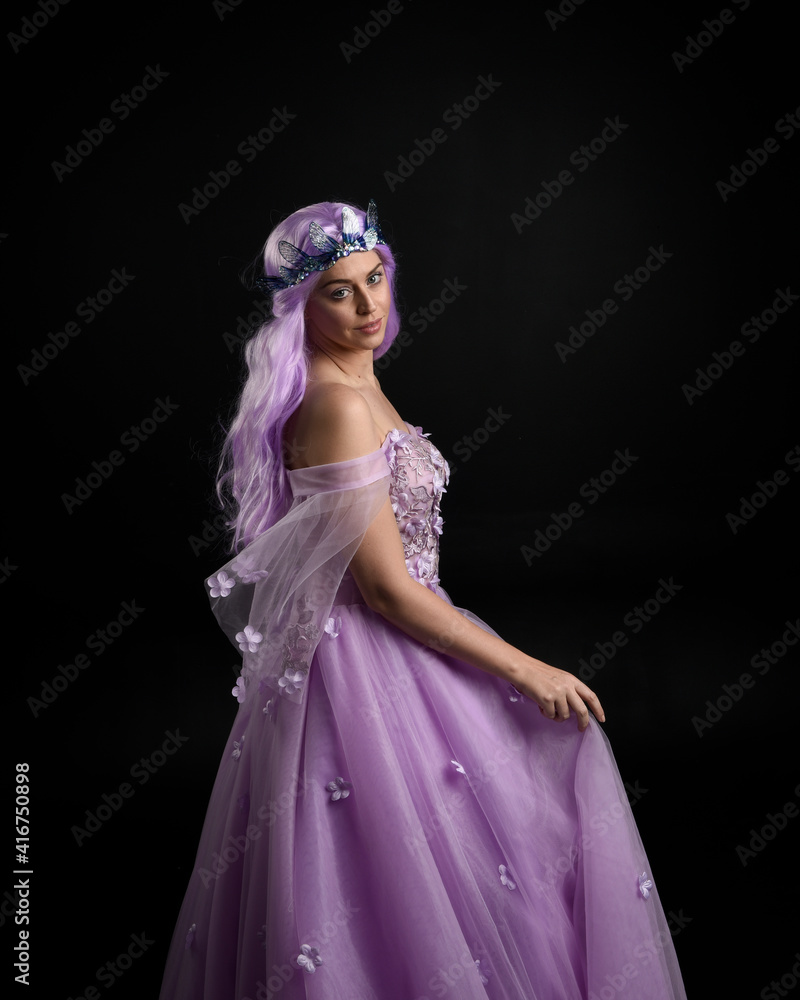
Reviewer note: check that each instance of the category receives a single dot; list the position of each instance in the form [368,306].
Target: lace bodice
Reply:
[419,476]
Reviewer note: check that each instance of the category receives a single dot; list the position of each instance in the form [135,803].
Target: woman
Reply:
[392,817]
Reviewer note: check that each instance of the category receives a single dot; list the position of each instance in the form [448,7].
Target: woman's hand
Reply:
[556,692]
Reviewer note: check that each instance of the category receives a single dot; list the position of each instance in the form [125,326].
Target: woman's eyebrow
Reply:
[348,281]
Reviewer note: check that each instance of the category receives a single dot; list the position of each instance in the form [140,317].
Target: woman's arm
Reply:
[380,571]
[346,430]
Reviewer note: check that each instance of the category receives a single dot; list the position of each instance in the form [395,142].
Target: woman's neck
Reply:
[355,370]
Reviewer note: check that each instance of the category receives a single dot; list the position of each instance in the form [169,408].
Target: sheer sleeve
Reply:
[274,598]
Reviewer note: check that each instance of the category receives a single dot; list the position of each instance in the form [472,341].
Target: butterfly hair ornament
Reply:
[304,264]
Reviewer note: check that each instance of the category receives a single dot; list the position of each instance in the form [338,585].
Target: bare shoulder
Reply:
[333,424]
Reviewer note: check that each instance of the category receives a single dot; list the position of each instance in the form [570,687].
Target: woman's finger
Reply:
[581,711]
[594,704]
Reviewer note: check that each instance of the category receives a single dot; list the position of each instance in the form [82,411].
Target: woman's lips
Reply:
[371,327]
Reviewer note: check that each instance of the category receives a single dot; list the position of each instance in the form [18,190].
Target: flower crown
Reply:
[304,264]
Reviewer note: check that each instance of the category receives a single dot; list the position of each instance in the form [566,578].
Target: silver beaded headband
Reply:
[304,264]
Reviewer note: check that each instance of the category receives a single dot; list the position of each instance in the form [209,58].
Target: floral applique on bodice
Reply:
[419,475]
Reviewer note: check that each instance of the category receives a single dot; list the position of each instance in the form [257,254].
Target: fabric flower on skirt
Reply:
[309,958]
[245,568]
[339,789]
[291,681]
[249,639]
[221,585]
[484,978]
[238,690]
[505,878]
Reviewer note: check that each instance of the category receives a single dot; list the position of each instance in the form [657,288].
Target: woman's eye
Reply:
[373,279]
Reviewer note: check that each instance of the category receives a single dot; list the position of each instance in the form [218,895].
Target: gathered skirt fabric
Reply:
[416,829]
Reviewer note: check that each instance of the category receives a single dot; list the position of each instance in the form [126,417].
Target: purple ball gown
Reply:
[387,822]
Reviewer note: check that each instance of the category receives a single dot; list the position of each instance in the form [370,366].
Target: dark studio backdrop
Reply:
[595,211]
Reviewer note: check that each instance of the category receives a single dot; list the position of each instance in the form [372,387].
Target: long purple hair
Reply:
[252,483]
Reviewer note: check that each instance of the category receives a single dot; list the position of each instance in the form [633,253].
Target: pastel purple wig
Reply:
[252,482]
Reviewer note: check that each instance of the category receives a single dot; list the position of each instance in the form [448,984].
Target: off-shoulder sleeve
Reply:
[348,475]
[274,598]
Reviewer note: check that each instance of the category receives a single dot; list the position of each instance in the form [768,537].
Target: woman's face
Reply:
[349,307]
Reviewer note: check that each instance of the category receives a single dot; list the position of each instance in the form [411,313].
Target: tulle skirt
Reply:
[416,829]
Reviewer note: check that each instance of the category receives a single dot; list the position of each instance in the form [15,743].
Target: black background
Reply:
[145,535]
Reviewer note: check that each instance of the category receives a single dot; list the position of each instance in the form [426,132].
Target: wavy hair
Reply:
[252,484]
